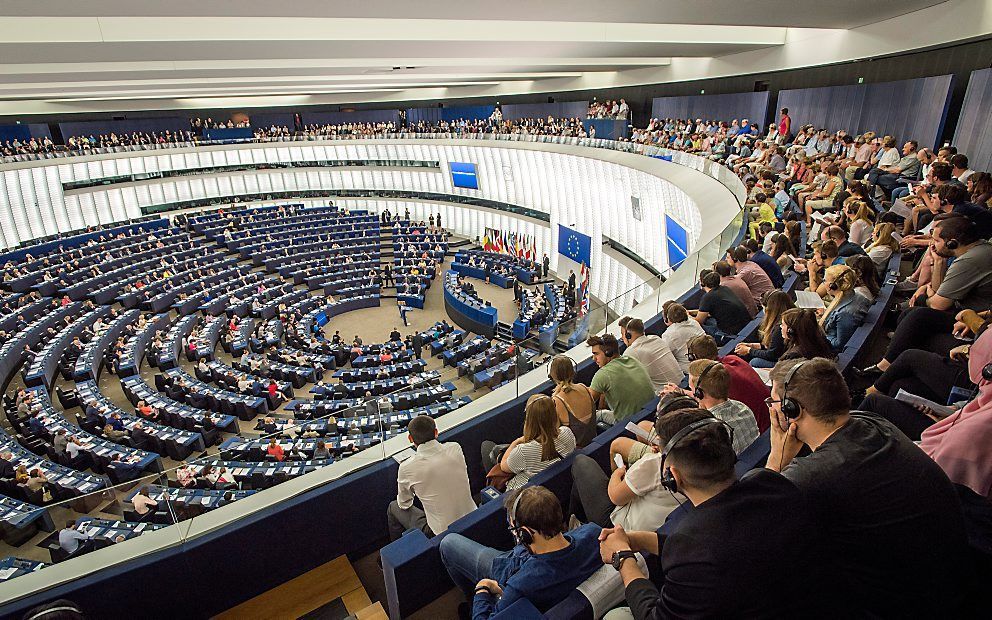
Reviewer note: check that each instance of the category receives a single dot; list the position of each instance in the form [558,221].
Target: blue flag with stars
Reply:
[574,245]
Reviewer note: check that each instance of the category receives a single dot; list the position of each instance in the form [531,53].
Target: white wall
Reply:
[584,187]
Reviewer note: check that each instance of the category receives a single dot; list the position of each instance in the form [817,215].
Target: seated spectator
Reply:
[621,382]
[959,442]
[437,476]
[871,489]
[721,313]
[651,351]
[702,573]
[822,199]
[745,384]
[860,221]
[866,284]
[574,402]
[709,383]
[882,246]
[771,346]
[631,449]
[756,255]
[543,443]
[845,247]
[680,329]
[545,565]
[757,280]
[846,311]
[728,279]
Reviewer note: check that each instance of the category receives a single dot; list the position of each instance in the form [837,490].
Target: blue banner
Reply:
[677,241]
[574,245]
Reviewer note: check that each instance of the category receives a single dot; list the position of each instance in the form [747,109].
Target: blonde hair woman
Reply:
[544,441]
[846,310]
[574,403]
[860,221]
[883,245]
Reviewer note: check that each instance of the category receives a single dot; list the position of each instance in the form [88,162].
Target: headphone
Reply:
[987,372]
[667,479]
[698,392]
[790,407]
[521,536]
[550,361]
[626,334]
[834,286]
[952,244]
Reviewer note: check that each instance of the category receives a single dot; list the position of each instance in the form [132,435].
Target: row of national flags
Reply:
[512,243]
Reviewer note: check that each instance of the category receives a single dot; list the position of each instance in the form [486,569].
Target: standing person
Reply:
[437,476]
[403,309]
[546,263]
[703,574]
[784,126]
[621,383]
[871,489]
[418,345]
[571,280]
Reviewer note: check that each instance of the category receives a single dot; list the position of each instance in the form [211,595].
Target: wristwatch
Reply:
[620,556]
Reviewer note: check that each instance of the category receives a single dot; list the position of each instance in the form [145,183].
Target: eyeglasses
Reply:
[771,401]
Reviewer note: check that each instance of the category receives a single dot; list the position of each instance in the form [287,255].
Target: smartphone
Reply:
[618,460]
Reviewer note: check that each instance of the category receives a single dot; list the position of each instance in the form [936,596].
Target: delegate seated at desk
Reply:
[71,539]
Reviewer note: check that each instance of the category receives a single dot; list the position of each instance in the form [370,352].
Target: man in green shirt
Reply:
[621,381]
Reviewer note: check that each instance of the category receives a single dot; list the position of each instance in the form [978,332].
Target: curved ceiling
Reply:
[59,56]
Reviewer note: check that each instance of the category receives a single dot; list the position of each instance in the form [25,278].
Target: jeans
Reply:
[759,362]
[467,561]
[899,192]
[710,327]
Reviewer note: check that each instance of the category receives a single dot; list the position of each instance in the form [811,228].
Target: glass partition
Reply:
[198,494]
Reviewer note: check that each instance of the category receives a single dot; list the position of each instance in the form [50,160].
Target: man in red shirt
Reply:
[745,384]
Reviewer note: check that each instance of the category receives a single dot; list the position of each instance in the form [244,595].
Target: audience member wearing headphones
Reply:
[960,442]
[544,566]
[761,517]
[966,285]
[709,383]
[745,384]
[803,335]
[846,311]
[680,329]
[574,402]
[621,382]
[651,351]
[875,495]
[631,449]
[633,498]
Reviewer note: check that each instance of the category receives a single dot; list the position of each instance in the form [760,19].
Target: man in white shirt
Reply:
[651,351]
[71,539]
[437,476]
[681,329]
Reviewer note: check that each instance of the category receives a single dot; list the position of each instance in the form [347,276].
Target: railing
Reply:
[350,488]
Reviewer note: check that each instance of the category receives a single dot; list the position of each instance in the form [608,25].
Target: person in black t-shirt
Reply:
[892,521]
[748,549]
[720,310]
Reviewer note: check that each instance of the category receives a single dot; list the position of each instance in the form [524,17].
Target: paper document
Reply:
[765,374]
[913,399]
[640,432]
[809,299]
[926,229]
[897,237]
[901,209]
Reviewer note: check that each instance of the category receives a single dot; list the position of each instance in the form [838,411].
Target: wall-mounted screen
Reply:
[678,242]
[463,175]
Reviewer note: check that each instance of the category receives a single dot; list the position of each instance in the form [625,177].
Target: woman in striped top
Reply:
[544,442]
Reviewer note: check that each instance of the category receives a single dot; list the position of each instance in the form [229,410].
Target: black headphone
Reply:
[667,479]
[556,357]
[521,535]
[626,334]
[698,392]
[790,408]
[987,372]
[952,244]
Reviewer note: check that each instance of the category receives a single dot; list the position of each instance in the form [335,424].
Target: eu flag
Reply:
[574,245]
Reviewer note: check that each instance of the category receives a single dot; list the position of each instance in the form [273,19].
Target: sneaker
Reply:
[906,286]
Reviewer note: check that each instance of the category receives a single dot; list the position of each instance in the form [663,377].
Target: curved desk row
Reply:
[466,312]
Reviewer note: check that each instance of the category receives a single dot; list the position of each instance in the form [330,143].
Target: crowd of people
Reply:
[878,499]
[616,109]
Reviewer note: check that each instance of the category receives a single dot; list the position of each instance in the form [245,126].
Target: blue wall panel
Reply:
[973,134]
[564,109]
[146,125]
[752,106]
[358,116]
[907,109]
